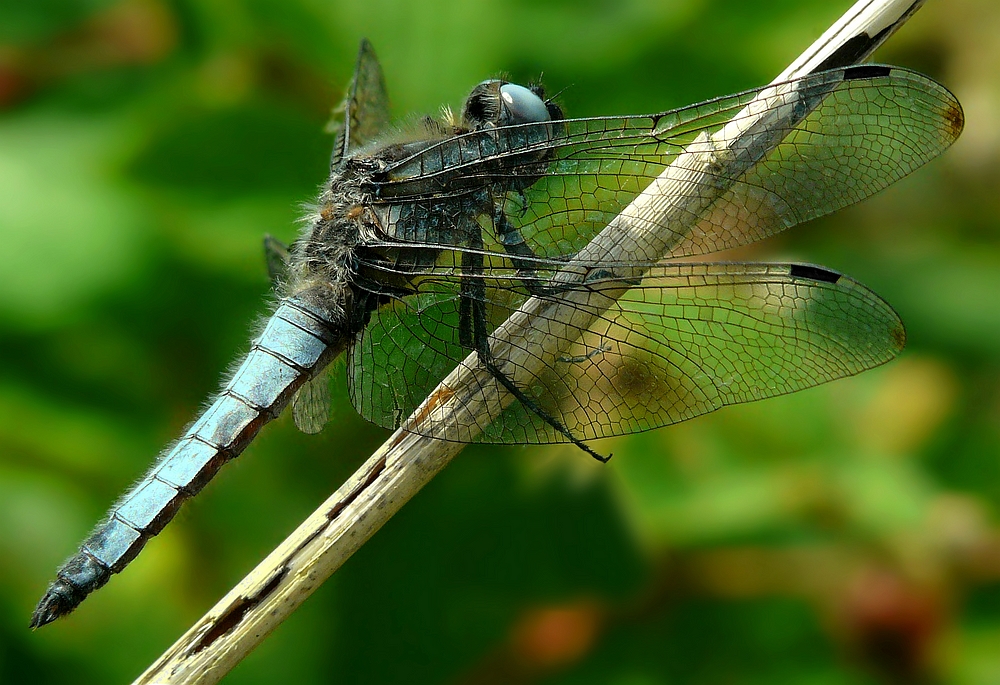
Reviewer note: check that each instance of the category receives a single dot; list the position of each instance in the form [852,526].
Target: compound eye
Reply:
[521,106]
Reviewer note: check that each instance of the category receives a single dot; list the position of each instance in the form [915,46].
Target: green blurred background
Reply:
[847,534]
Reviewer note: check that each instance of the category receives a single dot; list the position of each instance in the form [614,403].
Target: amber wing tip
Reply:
[956,120]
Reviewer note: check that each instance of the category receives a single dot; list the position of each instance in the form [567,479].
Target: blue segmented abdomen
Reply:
[295,345]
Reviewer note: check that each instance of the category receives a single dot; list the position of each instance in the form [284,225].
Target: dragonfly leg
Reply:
[473,327]
[521,255]
[524,258]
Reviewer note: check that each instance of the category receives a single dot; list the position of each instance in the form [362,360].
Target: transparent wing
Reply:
[276,256]
[364,113]
[691,338]
[561,182]
[311,404]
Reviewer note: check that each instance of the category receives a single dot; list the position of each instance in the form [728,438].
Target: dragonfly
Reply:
[425,239]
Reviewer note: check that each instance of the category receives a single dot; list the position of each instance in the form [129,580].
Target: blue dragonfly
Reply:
[424,240]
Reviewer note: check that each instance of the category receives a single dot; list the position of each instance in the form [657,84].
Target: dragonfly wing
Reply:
[364,113]
[841,135]
[693,338]
[406,349]
[276,255]
[311,404]
[689,339]
[866,134]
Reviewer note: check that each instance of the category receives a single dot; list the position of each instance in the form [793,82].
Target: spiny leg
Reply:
[472,315]
[524,258]
[521,255]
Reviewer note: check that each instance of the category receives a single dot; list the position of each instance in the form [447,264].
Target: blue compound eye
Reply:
[521,106]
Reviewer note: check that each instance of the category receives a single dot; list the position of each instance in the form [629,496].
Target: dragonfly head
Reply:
[495,102]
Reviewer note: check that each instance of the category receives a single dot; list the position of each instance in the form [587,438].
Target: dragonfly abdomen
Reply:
[295,345]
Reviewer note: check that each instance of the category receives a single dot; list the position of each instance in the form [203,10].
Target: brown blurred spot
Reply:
[891,624]
[541,641]
[555,636]
[130,32]
[13,81]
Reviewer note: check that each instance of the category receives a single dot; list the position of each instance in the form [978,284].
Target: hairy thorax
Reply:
[320,263]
